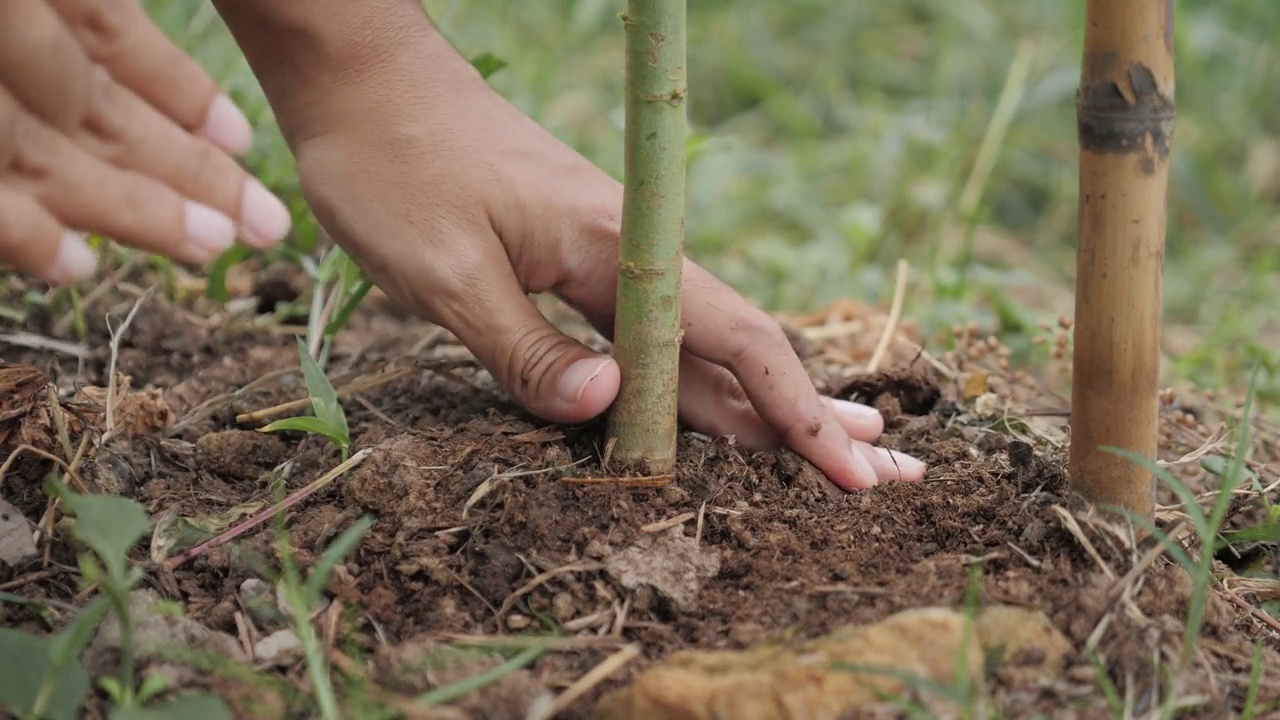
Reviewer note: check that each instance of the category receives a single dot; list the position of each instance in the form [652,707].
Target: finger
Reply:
[713,402]
[42,63]
[85,192]
[723,328]
[127,132]
[892,465]
[121,37]
[548,373]
[32,242]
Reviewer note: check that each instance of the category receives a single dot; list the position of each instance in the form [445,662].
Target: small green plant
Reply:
[303,594]
[42,678]
[329,419]
[337,287]
[1207,527]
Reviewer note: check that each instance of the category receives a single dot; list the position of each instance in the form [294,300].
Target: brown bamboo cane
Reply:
[1125,117]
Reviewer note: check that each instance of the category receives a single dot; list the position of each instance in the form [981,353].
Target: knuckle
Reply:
[105,25]
[103,110]
[8,130]
[531,354]
[199,168]
[35,148]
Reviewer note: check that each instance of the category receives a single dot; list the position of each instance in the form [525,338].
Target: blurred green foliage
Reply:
[834,137]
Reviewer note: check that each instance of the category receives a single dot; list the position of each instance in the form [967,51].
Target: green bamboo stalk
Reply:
[642,421]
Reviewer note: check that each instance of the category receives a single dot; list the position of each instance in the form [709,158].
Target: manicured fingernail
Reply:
[908,467]
[574,381]
[862,466]
[75,260]
[227,127]
[266,220]
[208,230]
[854,410]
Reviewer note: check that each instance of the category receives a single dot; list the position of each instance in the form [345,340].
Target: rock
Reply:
[17,543]
[1023,643]
[670,562]
[277,644]
[260,601]
[158,626]
[848,670]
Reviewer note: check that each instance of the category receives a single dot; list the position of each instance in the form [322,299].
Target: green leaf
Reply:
[487,64]
[152,685]
[110,684]
[328,268]
[109,524]
[19,600]
[216,284]
[71,641]
[193,706]
[334,554]
[468,685]
[324,399]
[309,425]
[25,661]
[1222,467]
[339,319]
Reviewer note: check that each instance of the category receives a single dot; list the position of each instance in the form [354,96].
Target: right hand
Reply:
[107,127]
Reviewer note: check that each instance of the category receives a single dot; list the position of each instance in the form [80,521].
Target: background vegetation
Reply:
[834,137]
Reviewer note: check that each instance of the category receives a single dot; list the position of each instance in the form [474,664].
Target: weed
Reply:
[303,595]
[1207,527]
[329,419]
[41,677]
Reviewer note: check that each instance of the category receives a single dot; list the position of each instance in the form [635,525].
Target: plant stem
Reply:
[117,591]
[1125,115]
[647,324]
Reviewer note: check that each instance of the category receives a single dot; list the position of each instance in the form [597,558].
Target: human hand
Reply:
[107,127]
[456,205]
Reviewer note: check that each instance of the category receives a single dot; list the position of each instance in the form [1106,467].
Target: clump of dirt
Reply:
[490,525]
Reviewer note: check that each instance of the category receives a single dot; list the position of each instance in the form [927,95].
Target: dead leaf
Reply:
[137,413]
[22,394]
[975,385]
[17,544]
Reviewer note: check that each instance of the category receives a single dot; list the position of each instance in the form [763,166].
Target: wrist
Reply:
[326,64]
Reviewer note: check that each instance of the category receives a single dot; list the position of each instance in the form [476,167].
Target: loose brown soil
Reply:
[484,529]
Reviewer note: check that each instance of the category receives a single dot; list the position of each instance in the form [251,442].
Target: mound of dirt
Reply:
[492,528]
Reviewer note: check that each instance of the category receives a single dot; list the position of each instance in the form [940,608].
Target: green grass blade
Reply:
[307,424]
[334,554]
[453,691]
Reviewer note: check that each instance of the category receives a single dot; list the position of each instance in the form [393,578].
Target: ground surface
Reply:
[486,527]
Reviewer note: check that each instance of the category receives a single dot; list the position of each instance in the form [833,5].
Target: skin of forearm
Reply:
[322,62]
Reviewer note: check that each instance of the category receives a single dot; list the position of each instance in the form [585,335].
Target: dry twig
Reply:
[293,499]
[891,324]
[116,335]
[582,685]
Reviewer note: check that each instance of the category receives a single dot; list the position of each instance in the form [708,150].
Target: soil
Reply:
[490,525]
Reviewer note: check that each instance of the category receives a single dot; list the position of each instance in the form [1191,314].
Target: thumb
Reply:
[548,373]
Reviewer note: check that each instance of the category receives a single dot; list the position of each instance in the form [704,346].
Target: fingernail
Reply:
[208,230]
[907,465]
[266,220]
[75,260]
[574,381]
[862,466]
[854,410]
[227,127]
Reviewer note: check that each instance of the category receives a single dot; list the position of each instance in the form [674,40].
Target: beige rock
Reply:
[907,655]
